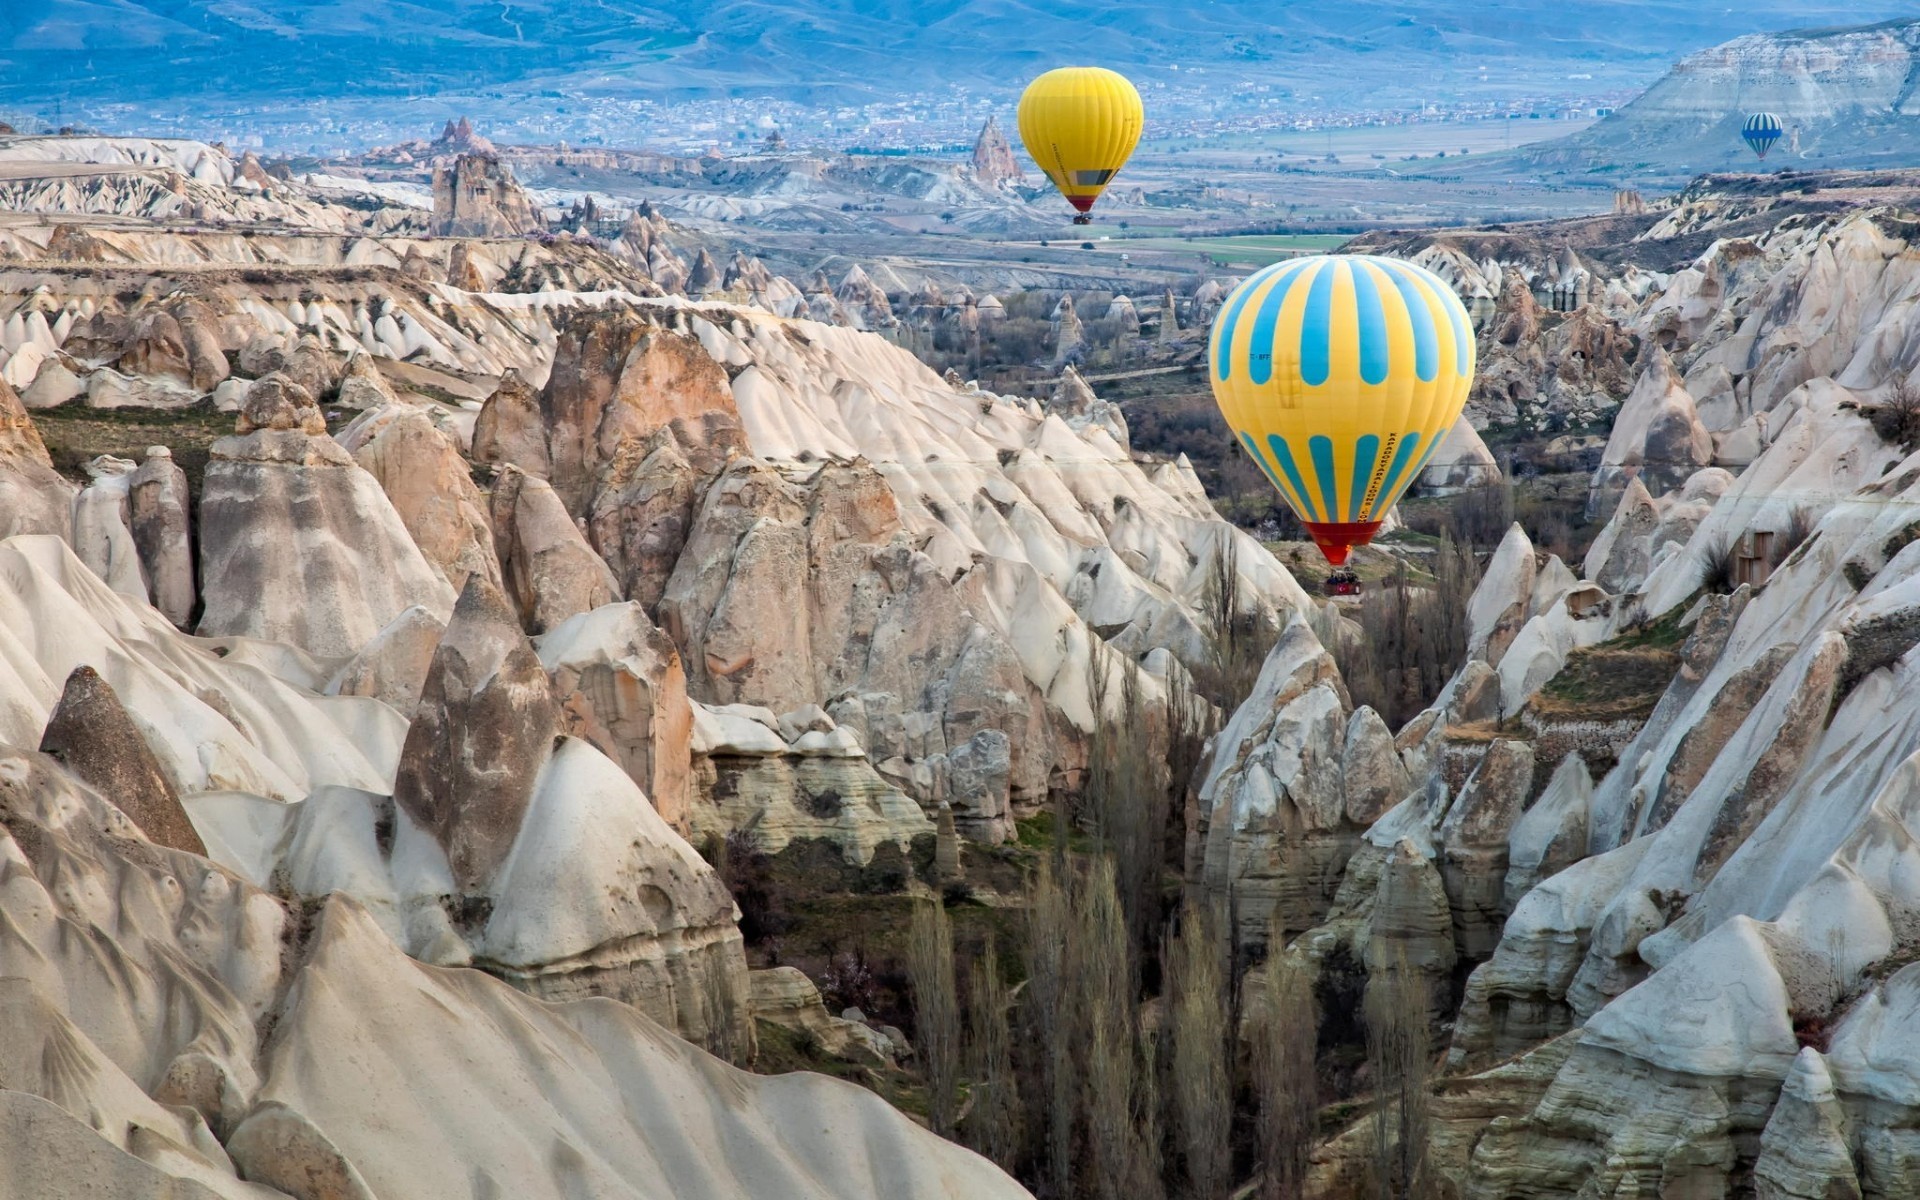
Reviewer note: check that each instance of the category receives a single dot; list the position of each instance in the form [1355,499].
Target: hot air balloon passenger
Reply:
[1340,374]
[1080,124]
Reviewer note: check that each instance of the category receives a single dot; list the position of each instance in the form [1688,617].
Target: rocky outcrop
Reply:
[100,534]
[297,542]
[510,428]
[1074,402]
[1069,334]
[1269,825]
[1552,834]
[549,570]
[133,979]
[1461,462]
[393,667]
[362,387]
[784,996]
[791,592]
[92,736]
[431,488]
[1473,838]
[162,530]
[993,161]
[621,688]
[1657,436]
[1543,370]
[486,727]
[33,497]
[477,196]
[1805,1150]
[616,380]
[796,777]
[1503,599]
[563,877]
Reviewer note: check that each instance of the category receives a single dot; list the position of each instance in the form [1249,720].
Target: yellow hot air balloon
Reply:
[1080,124]
[1341,374]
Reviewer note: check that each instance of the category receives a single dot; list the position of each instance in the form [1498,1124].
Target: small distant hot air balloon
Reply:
[1761,131]
[1341,374]
[1080,124]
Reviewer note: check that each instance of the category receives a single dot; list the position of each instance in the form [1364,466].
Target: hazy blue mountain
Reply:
[1846,97]
[168,50]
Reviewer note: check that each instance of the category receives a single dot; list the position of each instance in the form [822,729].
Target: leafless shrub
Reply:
[936,1010]
[1801,521]
[1897,418]
[1202,1090]
[1103,999]
[1413,638]
[1046,1052]
[1286,1085]
[1719,565]
[1126,794]
[1398,1057]
[1241,639]
[993,1117]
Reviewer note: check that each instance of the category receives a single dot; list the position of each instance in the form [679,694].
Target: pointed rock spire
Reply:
[93,735]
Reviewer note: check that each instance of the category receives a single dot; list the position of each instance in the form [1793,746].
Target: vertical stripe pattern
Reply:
[1341,375]
[1761,131]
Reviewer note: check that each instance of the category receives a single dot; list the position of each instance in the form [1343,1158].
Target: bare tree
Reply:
[1103,1000]
[993,1117]
[1285,1033]
[1202,1089]
[936,1010]
[1398,1056]
[1897,420]
[1047,1046]
[1413,637]
[1241,638]
[1127,794]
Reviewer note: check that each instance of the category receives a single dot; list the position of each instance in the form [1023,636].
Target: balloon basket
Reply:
[1083,219]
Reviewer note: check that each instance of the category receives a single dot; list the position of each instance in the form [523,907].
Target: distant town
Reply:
[943,122]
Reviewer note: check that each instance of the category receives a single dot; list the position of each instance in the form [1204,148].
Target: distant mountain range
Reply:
[229,52]
[1848,97]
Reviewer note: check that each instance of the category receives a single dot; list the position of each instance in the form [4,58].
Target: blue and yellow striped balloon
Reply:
[1341,374]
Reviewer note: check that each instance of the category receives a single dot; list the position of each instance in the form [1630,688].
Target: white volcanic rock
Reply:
[796,777]
[1503,599]
[100,534]
[1552,834]
[793,1135]
[33,497]
[135,980]
[272,566]
[621,687]
[1657,437]
[1804,1150]
[1472,843]
[392,668]
[191,705]
[163,533]
[1270,825]
[422,472]
[587,890]
[786,997]
[1461,462]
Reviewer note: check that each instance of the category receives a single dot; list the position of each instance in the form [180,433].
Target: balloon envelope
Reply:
[1340,375]
[1080,124]
[1761,131]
